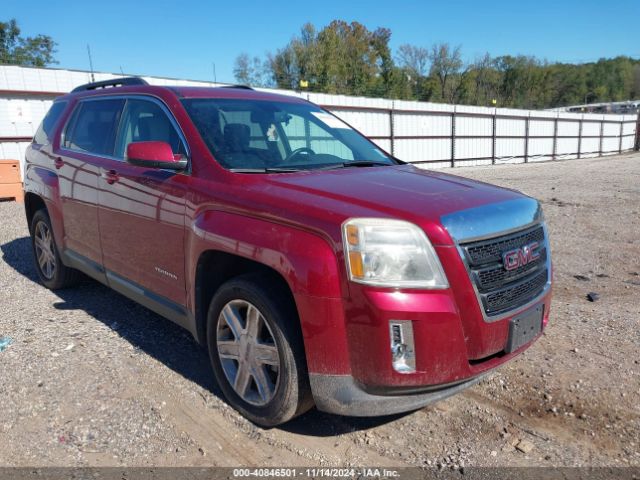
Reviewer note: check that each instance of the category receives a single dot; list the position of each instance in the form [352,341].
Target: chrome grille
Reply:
[496,276]
[489,251]
[501,290]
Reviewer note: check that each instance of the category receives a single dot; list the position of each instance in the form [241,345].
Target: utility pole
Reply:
[93,78]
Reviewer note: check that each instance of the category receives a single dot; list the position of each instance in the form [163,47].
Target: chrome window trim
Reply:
[477,224]
[138,96]
[72,118]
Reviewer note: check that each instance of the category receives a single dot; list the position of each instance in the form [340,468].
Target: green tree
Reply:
[414,62]
[446,67]
[249,71]
[342,58]
[347,58]
[35,51]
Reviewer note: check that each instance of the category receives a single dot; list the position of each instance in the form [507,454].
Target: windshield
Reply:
[263,135]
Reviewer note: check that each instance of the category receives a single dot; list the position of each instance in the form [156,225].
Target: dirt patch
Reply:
[92,379]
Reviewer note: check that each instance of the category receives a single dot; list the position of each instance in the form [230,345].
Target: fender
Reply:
[45,184]
[306,261]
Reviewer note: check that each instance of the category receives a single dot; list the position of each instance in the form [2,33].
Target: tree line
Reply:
[347,58]
[16,49]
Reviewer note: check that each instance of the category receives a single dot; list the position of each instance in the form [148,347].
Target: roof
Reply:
[231,92]
[131,85]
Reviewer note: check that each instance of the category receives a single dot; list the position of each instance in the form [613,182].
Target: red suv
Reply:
[315,267]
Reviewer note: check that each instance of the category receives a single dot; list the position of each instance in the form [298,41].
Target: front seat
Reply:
[156,129]
[237,137]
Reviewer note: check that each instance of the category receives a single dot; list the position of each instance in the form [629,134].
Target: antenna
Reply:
[93,78]
[213,64]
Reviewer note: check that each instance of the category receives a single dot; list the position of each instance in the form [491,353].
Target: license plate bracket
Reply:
[524,327]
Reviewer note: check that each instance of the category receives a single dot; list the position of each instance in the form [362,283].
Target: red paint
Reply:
[291,222]
[150,151]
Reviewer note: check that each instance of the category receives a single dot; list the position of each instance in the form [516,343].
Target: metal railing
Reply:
[553,154]
[595,134]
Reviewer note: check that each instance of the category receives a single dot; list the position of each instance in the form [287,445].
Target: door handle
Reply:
[58,163]
[111,176]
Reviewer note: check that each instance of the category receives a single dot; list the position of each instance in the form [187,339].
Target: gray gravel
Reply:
[91,378]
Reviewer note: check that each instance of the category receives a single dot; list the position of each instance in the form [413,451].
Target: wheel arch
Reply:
[32,203]
[223,245]
[213,269]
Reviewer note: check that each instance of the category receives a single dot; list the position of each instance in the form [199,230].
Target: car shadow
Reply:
[165,341]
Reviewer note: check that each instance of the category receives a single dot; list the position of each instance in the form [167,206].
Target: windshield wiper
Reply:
[366,163]
[355,163]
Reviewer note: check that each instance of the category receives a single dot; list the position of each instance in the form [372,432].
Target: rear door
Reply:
[88,140]
[142,210]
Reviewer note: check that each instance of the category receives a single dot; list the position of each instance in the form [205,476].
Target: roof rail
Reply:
[116,82]
[242,87]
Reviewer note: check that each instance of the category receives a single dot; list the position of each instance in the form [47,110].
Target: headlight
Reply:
[391,253]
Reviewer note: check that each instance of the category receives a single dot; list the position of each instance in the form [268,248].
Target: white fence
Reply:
[430,134]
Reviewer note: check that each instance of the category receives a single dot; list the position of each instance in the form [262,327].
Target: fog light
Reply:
[403,356]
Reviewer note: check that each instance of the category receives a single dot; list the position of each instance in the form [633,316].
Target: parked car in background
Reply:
[315,267]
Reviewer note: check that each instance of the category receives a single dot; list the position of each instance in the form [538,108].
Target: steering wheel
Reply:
[298,151]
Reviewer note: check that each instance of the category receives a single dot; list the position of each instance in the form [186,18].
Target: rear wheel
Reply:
[256,350]
[52,272]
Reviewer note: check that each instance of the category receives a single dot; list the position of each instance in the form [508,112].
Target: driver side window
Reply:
[142,121]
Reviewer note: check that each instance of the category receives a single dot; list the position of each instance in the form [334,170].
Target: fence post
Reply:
[392,132]
[494,120]
[526,139]
[555,138]
[637,145]
[621,133]
[601,137]
[580,136]
[453,138]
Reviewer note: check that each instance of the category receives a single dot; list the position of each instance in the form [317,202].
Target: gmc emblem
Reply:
[521,256]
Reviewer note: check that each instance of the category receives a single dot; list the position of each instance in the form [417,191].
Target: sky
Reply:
[183,39]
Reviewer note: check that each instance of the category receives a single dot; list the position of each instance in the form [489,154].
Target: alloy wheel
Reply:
[45,250]
[248,352]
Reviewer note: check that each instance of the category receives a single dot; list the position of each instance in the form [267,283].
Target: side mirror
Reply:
[155,155]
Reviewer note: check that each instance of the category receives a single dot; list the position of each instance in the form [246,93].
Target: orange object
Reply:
[10,181]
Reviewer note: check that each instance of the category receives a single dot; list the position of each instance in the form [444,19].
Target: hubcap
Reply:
[248,353]
[45,250]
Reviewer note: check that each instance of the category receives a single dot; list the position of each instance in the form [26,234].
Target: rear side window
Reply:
[93,126]
[44,133]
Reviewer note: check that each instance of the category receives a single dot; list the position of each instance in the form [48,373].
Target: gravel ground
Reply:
[92,379]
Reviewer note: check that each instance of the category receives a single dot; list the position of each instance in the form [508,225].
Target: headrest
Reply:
[237,136]
[154,128]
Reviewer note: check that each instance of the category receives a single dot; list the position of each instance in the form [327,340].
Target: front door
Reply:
[142,210]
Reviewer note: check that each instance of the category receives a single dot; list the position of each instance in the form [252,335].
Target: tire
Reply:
[255,343]
[52,273]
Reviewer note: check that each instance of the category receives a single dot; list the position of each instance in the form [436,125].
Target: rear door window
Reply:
[44,133]
[93,126]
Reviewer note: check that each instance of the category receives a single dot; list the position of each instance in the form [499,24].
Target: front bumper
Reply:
[454,341]
[342,395]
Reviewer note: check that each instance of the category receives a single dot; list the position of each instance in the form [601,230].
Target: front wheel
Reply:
[256,350]
[52,272]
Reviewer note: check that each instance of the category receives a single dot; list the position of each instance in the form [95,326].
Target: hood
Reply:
[402,191]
